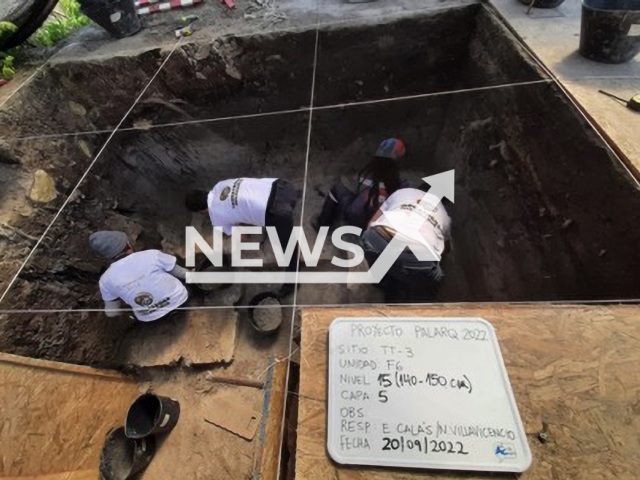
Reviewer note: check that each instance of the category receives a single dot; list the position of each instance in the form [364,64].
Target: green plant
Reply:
[62,22]
[6,30]
[7,66]
[7,70]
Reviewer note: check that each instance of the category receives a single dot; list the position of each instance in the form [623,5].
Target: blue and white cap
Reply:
[391,148]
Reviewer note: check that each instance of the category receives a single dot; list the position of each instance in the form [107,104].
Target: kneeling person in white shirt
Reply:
[147,281]
[262,202]
[409,275]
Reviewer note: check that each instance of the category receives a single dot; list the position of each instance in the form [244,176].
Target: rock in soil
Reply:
[44,188]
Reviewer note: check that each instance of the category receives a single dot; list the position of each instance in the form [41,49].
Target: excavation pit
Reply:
[543,211]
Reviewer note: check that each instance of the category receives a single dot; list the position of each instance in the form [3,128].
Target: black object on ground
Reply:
[151,414]
[28,19]
[606,25]
[266,318]
[122,458]
[542,3]
[632,104]
[118,17]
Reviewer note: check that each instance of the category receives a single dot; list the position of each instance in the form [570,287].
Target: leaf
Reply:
[6,30]
[8,72]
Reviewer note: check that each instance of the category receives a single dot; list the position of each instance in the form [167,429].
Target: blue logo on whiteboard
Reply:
[504,450]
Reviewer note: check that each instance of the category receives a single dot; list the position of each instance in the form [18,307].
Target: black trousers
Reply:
[408,279]
[279,214]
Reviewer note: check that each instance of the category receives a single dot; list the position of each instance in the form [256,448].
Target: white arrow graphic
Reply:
[408,235]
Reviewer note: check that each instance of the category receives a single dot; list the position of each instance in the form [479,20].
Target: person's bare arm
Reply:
[179,272]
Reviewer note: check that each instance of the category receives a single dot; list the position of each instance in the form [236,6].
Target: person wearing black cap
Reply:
[373,185]
[148,281]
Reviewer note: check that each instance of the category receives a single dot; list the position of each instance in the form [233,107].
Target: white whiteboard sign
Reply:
[423,393]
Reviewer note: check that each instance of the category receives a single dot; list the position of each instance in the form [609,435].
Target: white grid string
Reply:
[95,159]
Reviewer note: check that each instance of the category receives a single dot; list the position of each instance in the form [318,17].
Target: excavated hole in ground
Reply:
[542,211]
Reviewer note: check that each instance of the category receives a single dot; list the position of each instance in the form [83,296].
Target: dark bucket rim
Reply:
[138,400]
[138,462]
[254,302]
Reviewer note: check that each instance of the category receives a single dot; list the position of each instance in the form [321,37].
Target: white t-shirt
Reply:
[239,200]
[435,230]
[142,280]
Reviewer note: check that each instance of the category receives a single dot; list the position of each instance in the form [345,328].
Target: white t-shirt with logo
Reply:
[239,200]
[141,279]
[437,228]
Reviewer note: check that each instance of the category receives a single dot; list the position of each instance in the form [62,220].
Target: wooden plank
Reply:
[271,435]
[60,367]
[575,372]
[54,417]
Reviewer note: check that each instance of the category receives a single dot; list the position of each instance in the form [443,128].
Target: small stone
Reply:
[542,211]
[143,124]
[84,146]
[602,252]
[359,83]
[43,189]
[233,72]
[25,211]
[77,109]
[200,76]
[203,52]
[567,223]
[493,163]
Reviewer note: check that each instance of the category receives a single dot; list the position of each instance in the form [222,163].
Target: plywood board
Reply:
[54,417]
[575,373]
[234,414]
[196,449]
[192,336]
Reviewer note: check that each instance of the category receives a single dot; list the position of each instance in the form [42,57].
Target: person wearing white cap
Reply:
[148,281]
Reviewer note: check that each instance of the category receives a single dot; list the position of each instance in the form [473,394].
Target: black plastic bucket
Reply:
[543,3]
[118,17]
[274,312]
[606,25]
[151,414]
[122,457]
